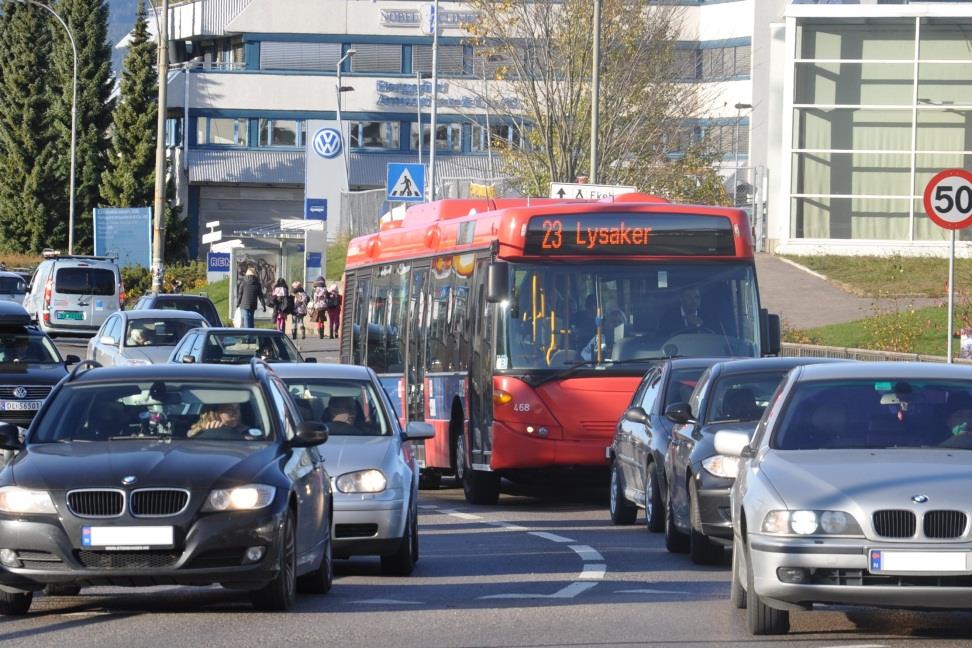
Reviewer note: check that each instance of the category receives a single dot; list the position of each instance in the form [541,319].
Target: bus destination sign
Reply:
[631,233]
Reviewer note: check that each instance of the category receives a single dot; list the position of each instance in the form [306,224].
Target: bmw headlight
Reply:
[14,499]
[241,498]
[362,481]
[805,523]
[722,466]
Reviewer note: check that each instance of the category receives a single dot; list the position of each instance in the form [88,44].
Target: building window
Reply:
[503,135]
[281,132]
[299,56]
[371,57]
[173,132]
[376,135]
[448,137]
[450,59]
[221,131]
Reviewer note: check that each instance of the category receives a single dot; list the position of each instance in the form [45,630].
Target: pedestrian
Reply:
[333,303]
[320,305]
[282,304]
[300,310]
[250,293]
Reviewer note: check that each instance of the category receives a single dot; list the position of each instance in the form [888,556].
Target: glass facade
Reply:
[869,132]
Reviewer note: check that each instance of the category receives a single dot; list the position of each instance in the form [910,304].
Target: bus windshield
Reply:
[598,314]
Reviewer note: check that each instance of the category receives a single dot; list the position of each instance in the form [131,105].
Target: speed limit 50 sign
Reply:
[948,199]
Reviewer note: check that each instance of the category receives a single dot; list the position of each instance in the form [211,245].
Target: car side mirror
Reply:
[309,433]
[416,430]
[312,360]
[107,339]
[733,444]
[497,282]
[9,437]
[770,333]
[71,359]
[188,359]
[679,413]
[636,415]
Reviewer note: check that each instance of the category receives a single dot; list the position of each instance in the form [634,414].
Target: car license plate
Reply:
[20,406]
[70,315]
[884,561]
[127,538]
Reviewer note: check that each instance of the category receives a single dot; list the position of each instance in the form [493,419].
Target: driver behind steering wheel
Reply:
[688,315]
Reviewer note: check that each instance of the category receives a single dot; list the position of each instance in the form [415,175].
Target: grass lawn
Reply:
[891,276]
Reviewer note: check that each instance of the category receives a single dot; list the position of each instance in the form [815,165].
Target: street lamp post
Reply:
[489,134]
[158,234]
[735,150]
[435,98]
[74,116]
[340,90]
[595,89]
[419,75]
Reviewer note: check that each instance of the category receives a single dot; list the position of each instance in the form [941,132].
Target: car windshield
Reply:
[12,286]
[742,397]
[23,348]
[157,332]
[562,314]
[192,305]
[233,348]
[876,414]
[155,410]
[681,382]
[348,407]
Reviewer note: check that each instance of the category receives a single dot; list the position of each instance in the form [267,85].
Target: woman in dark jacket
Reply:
[250,293]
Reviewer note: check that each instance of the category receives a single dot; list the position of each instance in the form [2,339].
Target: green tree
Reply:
[27,158]
[88,21]
[129,178]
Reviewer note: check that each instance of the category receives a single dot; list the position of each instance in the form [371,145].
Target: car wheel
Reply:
[429,480]
[15,603]
[281,593]
[622,511]
[702,550]
[479,486]
[737,591]
[761,618]
[415,535]
[654,507]
[320,580]
[62,590]
[402,562]
[675,540]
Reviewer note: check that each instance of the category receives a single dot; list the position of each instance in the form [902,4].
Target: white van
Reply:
[73,295]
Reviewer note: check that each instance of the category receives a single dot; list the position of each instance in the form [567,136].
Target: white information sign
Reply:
[587,191]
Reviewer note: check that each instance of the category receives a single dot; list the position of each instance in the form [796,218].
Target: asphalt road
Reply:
[539,570]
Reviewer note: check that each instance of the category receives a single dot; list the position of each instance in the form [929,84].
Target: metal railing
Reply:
[791,349]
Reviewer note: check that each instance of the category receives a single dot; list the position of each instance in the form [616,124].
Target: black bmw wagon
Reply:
[174,474]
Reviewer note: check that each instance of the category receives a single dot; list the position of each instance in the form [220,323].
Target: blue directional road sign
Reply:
[315,209]
[406,183]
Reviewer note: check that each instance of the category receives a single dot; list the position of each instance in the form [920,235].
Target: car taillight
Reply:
[121,294]
[48,288]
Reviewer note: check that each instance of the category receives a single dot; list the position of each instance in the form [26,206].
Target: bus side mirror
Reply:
[770,335]
[497,282]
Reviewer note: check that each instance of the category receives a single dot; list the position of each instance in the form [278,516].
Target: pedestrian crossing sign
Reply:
[406,182]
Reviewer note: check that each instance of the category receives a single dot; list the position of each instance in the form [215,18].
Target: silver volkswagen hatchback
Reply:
[369,457]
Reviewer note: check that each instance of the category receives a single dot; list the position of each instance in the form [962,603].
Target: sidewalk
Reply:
[804,300]
[325,350]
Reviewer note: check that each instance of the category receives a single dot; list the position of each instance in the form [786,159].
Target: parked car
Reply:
[641,441]
[197,303]
[854,491]
[30,366]
[141,337]
[74,295]
[13,287]
[140,476]
[731,395]
[236,346]
[370,458]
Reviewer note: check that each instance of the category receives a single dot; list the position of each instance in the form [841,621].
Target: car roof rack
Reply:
[50,253]
[254,362]
[86,365]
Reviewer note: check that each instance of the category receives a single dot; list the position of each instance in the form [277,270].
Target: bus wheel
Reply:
[479,486]
[429,480]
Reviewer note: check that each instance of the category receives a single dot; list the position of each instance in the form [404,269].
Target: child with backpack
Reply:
[320,305]
[301,301]
[333,304]
[282,304]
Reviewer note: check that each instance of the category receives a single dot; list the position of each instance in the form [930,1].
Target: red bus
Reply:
[519,328]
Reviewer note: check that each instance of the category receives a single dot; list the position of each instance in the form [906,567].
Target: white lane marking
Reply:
[462,516]
[650,591]
[570,591]
[429,507]
[593,572]
[508,526]
[381,601]
[586,552]
[857,646]
[552,537]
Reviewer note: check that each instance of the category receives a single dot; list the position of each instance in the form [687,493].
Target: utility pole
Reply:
[158,234]
[435,98]
[595,89]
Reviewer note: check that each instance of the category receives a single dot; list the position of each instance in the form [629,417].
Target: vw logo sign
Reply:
[129,480]
[20,392]
[327,142]
[919,499]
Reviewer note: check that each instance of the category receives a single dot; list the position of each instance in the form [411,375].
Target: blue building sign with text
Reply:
[218,262]
[315,209]
[313,259]
[125,233]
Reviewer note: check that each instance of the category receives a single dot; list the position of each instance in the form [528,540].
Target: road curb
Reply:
[803,268]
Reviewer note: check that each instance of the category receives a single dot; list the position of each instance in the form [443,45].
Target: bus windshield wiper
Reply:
[570,370]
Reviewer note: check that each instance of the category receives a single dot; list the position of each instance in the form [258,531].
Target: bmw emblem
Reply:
[919,499]
[20,392]
[129,480]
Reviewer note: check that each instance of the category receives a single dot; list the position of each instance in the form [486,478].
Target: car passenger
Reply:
[341,415]
[959,420]
[223,421]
